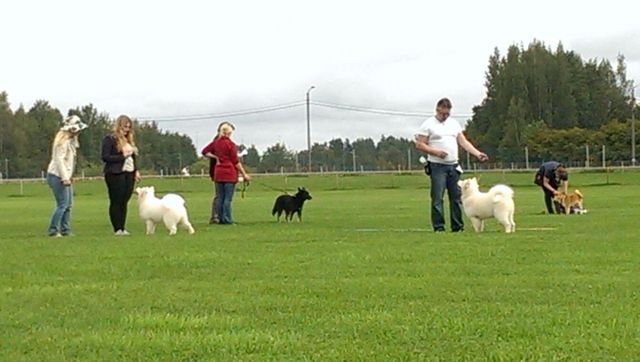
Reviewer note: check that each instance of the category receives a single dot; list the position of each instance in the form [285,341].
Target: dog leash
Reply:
[270,187]
[245,184]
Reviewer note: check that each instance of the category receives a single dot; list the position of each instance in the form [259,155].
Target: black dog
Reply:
[291,204]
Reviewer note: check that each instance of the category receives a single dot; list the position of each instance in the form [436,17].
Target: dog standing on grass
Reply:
[169,210]
[478,206]
[570,201]
[291,205]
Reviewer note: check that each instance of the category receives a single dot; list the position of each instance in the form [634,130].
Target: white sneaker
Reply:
[122,233]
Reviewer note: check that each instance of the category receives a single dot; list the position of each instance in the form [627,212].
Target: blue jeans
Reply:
[62,212]
[224,193]
[445,177]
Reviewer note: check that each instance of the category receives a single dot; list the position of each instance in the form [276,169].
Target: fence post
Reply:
[526,157]
[586,162]
[354,160]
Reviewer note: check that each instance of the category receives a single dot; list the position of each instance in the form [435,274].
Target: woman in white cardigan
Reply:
[60,172]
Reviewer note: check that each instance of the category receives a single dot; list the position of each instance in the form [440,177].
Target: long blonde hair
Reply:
[120,136]
[63,136]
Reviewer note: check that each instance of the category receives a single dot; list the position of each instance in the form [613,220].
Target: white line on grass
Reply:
[412,230]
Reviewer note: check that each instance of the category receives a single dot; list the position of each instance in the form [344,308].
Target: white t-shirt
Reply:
[442,135]
[128,165]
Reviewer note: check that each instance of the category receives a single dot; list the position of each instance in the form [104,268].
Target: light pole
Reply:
[309,128]
[633,125]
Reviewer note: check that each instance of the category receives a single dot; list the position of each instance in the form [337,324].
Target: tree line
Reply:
[26,136]
[554,103]
[336,155]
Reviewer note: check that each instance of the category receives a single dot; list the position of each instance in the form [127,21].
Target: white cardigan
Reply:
[63,160]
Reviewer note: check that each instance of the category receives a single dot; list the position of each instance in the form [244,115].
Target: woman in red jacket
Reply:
[207,152]
[226,171]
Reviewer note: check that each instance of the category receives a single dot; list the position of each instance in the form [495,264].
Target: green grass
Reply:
[362,278]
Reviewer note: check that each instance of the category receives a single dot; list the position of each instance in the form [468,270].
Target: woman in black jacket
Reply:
[119,153]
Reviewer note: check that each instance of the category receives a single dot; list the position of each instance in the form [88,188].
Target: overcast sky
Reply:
[154,58]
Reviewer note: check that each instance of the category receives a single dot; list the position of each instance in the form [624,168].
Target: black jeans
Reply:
[548,201]
[445,177]
[120,187]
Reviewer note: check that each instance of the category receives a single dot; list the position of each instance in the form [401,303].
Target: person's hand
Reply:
[440,153]
[556,192]
[66,182]
[138,177]
[127,152]
[247,178]
[482,157]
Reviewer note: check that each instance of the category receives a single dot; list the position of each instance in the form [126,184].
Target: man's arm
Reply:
[547,185]
[464,143]
[422,144]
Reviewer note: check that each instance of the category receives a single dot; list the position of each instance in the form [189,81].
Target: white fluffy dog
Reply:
[478,206]
[170,210]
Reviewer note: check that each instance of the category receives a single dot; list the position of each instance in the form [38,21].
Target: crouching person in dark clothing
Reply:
[549,177]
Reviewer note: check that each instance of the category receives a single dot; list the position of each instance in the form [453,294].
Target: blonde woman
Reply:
[226,171]
[60,173]
[119,153]
[207,152]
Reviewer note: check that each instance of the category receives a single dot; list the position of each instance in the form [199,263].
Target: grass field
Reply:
[362,278]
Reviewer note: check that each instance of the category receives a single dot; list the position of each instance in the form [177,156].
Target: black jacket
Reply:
[114,159]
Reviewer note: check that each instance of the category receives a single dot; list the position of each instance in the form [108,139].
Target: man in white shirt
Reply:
[439,137]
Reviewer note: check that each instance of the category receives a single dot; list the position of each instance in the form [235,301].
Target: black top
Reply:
[548,170]
[114,159]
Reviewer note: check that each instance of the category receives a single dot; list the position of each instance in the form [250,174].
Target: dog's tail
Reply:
[577,192]
[501,192]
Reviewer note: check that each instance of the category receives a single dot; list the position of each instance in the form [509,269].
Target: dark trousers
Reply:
[445,177]
[224,192]
[120,188]
[548,201]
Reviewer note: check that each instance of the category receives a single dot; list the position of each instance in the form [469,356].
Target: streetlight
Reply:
[309,127]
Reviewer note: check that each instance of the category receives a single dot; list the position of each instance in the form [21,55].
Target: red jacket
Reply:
[227,153]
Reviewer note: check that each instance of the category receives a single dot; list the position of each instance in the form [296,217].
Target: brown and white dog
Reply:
[569,200]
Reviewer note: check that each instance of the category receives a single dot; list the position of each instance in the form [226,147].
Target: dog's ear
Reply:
[299,189]
[138,190]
